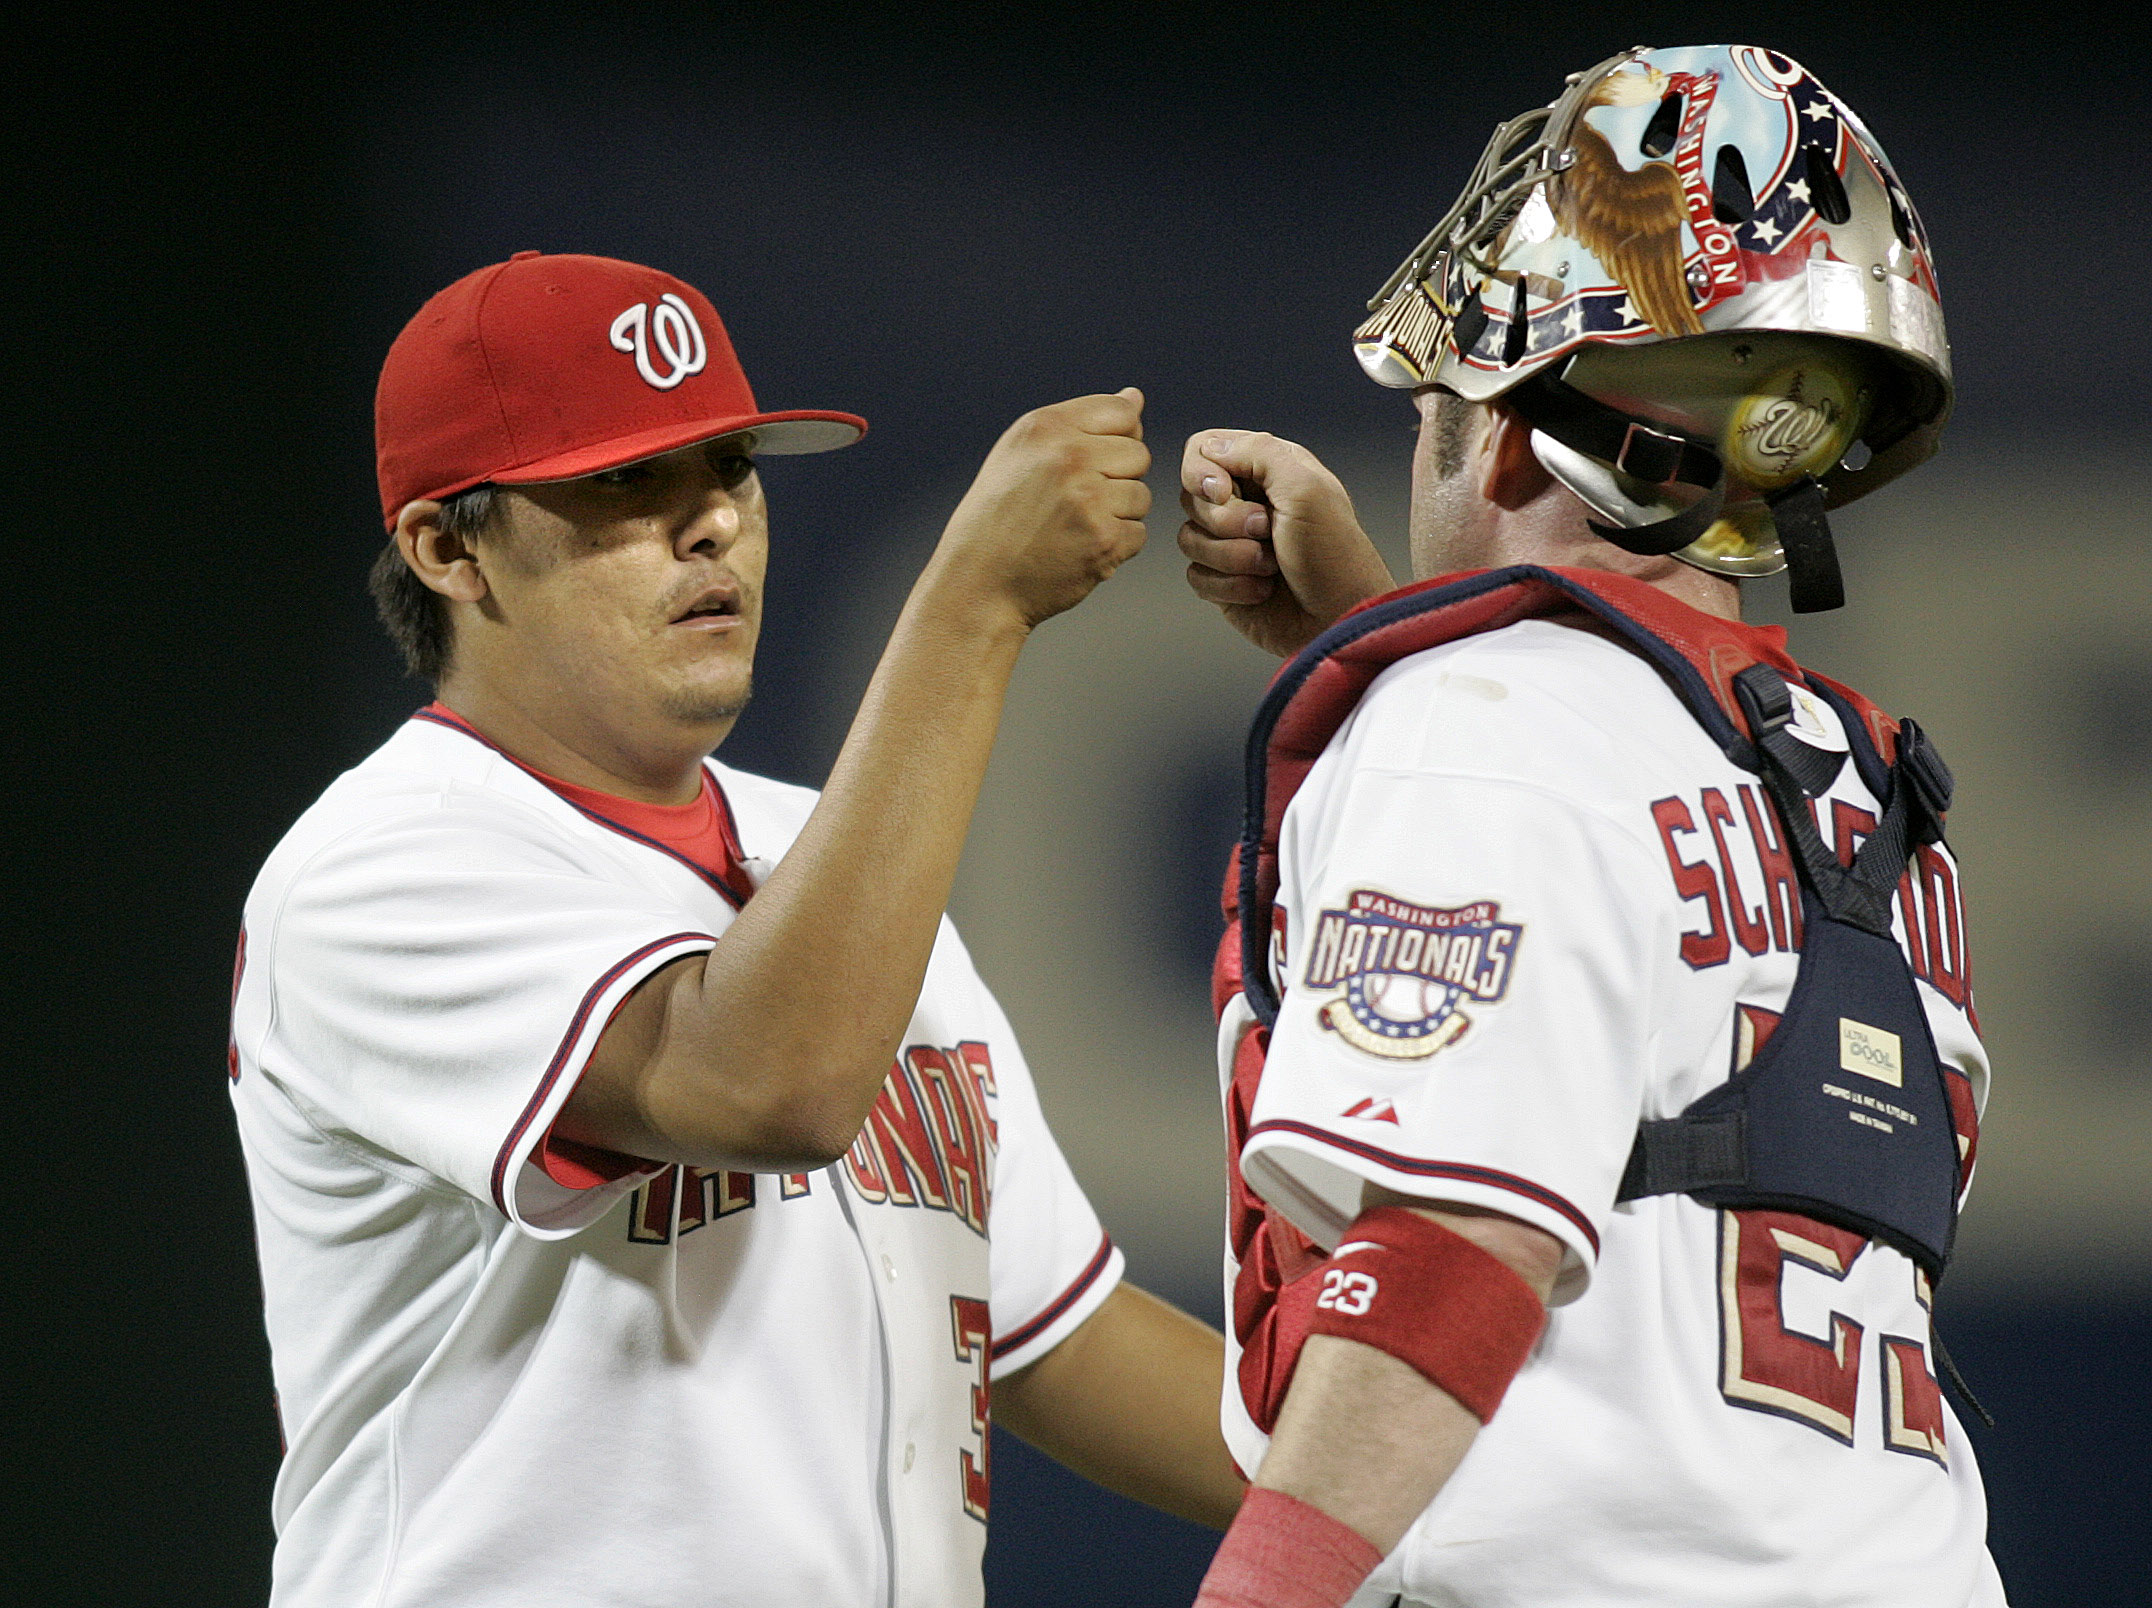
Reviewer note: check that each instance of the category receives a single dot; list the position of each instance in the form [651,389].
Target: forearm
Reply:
[1365,1438]
[1361,1446]
[849,917]
[1130,1402]
[1437,1308]
[767,1053]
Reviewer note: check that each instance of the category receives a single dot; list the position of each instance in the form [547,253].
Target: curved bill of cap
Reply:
[552,367]
[796,430]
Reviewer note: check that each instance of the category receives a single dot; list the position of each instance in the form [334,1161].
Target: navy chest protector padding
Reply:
[1843,1114]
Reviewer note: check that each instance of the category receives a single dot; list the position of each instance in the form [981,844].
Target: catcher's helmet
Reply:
[1695,268]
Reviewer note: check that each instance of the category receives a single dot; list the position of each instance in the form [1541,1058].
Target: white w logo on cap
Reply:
[678,337]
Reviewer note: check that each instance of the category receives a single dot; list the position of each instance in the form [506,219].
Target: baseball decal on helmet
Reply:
[672,328]
[1401,970]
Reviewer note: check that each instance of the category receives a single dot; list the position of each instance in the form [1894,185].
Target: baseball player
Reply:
[649,1193]
[1597,1038]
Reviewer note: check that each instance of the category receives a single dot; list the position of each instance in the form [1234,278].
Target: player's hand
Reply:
[1057,507]
[1272,538]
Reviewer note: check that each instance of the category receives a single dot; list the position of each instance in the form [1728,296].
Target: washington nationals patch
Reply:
[1401,971]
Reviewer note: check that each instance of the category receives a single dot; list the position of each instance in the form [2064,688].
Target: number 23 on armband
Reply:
[1346,1292]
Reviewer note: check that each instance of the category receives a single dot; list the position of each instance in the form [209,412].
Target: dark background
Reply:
[937,217]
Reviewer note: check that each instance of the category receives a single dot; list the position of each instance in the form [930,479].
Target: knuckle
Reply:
[1035,427]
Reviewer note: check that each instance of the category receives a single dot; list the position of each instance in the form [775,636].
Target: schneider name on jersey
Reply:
[670,1386]
[1526,902]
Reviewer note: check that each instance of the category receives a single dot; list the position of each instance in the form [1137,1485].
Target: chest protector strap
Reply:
[1843,1113]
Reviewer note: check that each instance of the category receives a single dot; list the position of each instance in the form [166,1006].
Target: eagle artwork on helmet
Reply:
[1698,279]
[1630,218]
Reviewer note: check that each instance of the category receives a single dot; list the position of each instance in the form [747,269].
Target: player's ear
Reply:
[1510,473]
[442,561]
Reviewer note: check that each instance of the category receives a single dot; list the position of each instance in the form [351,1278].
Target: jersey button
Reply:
[911,1450]
[889,1268]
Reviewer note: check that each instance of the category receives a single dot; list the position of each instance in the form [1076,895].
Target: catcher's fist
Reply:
[1272,538]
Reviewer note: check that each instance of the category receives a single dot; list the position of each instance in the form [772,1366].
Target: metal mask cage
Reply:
[1397,344]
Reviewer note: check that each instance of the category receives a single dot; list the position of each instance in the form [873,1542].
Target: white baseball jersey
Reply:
[674,1387]
[1527,903]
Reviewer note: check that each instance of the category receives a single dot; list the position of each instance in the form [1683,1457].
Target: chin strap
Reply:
[1649,452]
[1811,557]
[1661,456]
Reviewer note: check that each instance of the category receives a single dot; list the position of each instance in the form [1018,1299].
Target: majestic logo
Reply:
[1402,970]
[672,328]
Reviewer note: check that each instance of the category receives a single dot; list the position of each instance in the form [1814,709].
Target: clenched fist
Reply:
[1057,507]
[1272,538]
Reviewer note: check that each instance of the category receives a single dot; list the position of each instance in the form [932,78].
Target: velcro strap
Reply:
[1804,533]
[1768,701]
[1651,452]
[1654,453]
[1428,1296]
[1668,535]
[1924,767]
[1678,1155]
[1766,698]
[1860,894]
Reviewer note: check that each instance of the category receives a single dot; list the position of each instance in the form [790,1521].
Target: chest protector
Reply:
[1877,1151]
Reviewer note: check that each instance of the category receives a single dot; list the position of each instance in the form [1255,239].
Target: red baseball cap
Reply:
[545,368]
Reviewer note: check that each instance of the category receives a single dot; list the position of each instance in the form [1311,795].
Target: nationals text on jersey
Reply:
[1405,968]
[930,1142]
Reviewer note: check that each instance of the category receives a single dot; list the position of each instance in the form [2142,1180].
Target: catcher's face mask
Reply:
[1697,277]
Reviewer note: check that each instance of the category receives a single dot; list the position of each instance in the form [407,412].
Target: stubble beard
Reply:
[720,705]
[707,706]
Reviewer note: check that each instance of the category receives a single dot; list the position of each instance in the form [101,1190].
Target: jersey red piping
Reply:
[239,972]
[1462,1172]
[1067,1298]
[724,804]
[560,1057]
